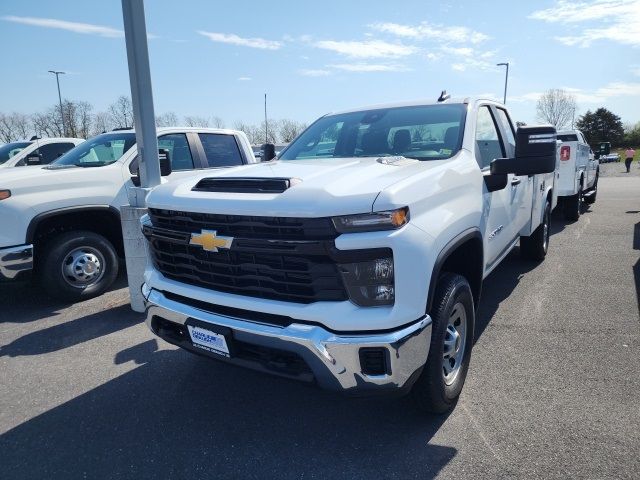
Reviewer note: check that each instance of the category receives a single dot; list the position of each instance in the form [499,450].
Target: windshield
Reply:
[429,132]
[97,151]
[10,149]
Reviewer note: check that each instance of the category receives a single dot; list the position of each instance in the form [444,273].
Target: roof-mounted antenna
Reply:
[444,96]
[35,137]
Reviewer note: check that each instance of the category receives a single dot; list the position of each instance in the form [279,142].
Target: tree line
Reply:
[77,119]
[558,108]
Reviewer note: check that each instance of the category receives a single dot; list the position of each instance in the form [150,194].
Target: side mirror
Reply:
[33,159]
[535,153]
[165,162]
[495,182]
[268,152]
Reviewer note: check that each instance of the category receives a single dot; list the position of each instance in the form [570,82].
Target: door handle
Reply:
[515,181]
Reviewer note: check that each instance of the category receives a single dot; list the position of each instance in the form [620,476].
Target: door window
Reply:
[488,142]
[48,153]
[179,151]
[220,150]
[507,127]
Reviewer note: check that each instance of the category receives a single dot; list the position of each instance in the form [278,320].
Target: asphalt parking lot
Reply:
[553,390]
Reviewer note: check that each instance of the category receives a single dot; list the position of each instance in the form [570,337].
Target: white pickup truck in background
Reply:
[356,259]
[37,151]
[63,221]
[578,173]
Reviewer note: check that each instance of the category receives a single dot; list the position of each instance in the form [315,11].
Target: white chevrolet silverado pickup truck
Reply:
[62,222]
[578,173]
[356,259]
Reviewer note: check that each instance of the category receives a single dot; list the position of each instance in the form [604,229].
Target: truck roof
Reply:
[415,103]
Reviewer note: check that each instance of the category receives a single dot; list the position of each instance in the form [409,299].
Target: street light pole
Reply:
[64,130]
[506,78]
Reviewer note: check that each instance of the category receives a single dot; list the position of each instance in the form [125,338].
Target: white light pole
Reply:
[506,78]
[135,32]
[57,74]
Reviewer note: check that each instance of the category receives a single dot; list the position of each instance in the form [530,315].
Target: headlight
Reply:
[370,283]
[4,194]
[371,222]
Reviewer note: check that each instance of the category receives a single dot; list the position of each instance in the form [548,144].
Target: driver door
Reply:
[497,222]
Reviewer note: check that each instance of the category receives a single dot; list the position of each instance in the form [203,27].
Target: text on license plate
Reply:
[208,340]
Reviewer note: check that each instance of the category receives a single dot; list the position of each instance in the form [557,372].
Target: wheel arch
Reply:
[101,219]
[463,255]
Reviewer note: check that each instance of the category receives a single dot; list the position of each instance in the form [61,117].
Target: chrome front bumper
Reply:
[333,358]
[15,262]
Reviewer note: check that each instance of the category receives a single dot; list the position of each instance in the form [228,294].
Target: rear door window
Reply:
[220,150]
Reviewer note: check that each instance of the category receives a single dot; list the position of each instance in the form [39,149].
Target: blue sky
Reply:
[215,58]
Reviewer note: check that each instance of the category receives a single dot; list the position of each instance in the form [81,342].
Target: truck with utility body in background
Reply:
[356,258]
[61,223]
[578,173]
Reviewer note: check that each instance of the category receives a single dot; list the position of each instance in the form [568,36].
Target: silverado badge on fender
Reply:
[209,241]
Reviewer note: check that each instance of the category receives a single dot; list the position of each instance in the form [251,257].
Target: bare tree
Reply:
[194,121]
[253,133]
[121,112]
[77,118]
[101,123]
[269,131]
[14,126]
[217,122]
[557,107]
[48,123]
[167,119]
[289,129]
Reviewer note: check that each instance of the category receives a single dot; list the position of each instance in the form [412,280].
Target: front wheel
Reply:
[453,315]
[78,266]
[535,246]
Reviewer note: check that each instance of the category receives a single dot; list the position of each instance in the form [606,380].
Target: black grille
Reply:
[243,185]
[257,265]
[243,226]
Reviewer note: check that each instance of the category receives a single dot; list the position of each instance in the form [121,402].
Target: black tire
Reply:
[73,251]
[431,392]
[535,246]
[573,206]
[591,199]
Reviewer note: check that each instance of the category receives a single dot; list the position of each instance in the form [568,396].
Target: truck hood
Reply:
[323,187]
[33,180]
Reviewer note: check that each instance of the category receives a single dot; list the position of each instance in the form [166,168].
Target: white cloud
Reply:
[76,27]
[233,39]
[244,79]
[426,30]
[461,51]
[596,96]
[314,72]
[369,67]
[367,48]
[433,56]
[614,20]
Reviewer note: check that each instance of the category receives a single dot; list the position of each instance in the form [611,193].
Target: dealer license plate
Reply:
[207,340]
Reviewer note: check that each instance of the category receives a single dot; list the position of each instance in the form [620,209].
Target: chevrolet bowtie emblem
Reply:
[209,241]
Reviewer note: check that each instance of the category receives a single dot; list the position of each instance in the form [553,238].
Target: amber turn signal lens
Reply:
[4,194]
[399,217]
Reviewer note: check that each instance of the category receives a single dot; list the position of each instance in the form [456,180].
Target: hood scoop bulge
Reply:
[245,185]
